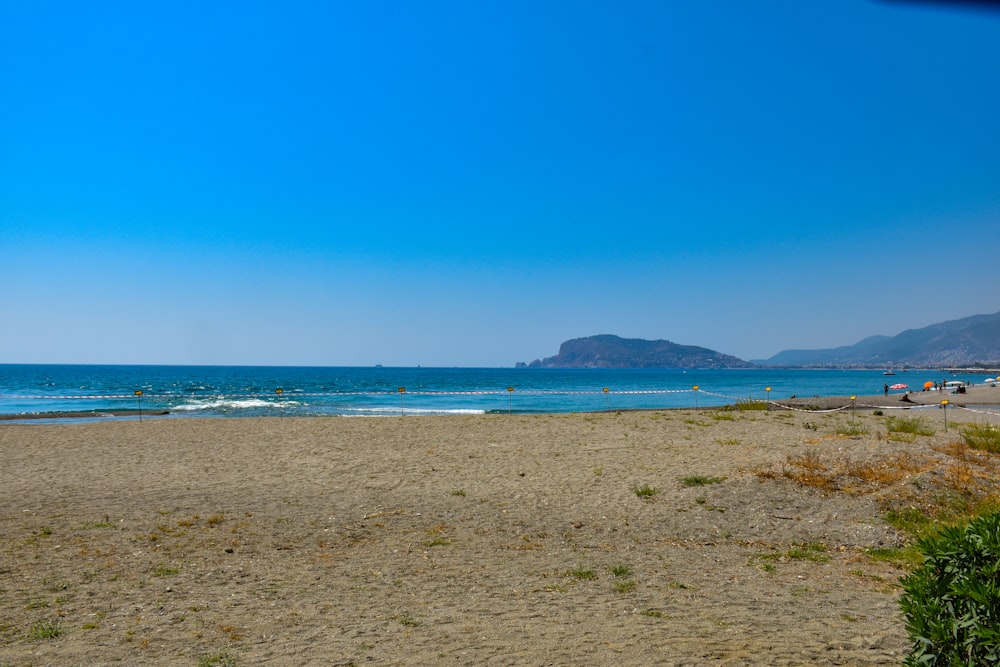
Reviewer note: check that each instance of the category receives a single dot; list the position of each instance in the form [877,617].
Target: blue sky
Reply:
[470,184]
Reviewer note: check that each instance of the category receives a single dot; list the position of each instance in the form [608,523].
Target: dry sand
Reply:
[474,540]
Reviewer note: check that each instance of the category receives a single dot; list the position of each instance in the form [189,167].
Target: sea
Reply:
[87,392]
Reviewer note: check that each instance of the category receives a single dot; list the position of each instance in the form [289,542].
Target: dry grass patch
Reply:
[852,476]
[889,469]
[809,470]
[920,491]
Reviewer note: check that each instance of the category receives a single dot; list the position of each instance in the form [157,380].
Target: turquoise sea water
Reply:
[246,391]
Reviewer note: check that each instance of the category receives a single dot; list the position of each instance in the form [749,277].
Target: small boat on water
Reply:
[888,372]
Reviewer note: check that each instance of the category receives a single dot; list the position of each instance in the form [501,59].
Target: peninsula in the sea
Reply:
[609,351]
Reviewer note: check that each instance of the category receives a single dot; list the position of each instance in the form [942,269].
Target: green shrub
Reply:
[982,436]
[852,428]
[952,601]
[646,492]
[45,630]
[912,425]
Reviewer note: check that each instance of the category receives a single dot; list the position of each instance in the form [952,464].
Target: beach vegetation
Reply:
[437,536]
[581,574]
[751,404]
[807,551]
[728,441]
[218,659]
[723,415]
[701,480]
[45,629]
[408,620]
[809,470]
[814,551]
[911,425]
[653,613]
[852,428]
[458,492]
[621,570]
[874,578]
[165,571]
[624,585]
[984,437]
[437,542]
[645,492]
[951,602]
[852,475]
[884,470]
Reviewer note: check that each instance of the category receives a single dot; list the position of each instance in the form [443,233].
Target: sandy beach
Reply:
[680,537]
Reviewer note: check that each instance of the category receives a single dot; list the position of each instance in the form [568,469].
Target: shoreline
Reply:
[81,414]
[982,395]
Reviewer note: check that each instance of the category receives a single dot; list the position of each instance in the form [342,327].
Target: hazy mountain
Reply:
[607,351]
[965,342]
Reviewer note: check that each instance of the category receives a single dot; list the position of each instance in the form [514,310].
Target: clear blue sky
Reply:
[471,183]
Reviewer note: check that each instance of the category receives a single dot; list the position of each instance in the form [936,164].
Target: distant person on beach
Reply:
[886,390]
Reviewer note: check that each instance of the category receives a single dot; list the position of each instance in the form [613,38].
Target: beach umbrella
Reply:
[899,386]
[928,384]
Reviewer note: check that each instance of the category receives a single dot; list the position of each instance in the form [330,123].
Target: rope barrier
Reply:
[61,397]
[981,412]
[795,409]
[529,392]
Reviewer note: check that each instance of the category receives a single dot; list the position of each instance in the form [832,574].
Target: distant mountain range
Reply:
[969,341]
[607,351]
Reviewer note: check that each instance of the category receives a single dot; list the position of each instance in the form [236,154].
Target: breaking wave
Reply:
[230,404]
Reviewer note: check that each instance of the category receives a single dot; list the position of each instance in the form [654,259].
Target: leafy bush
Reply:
[952,601]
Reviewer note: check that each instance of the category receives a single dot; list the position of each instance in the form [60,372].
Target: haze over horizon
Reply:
[444,184]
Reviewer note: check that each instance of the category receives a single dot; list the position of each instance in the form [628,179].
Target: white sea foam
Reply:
[231,404]
[361,412]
